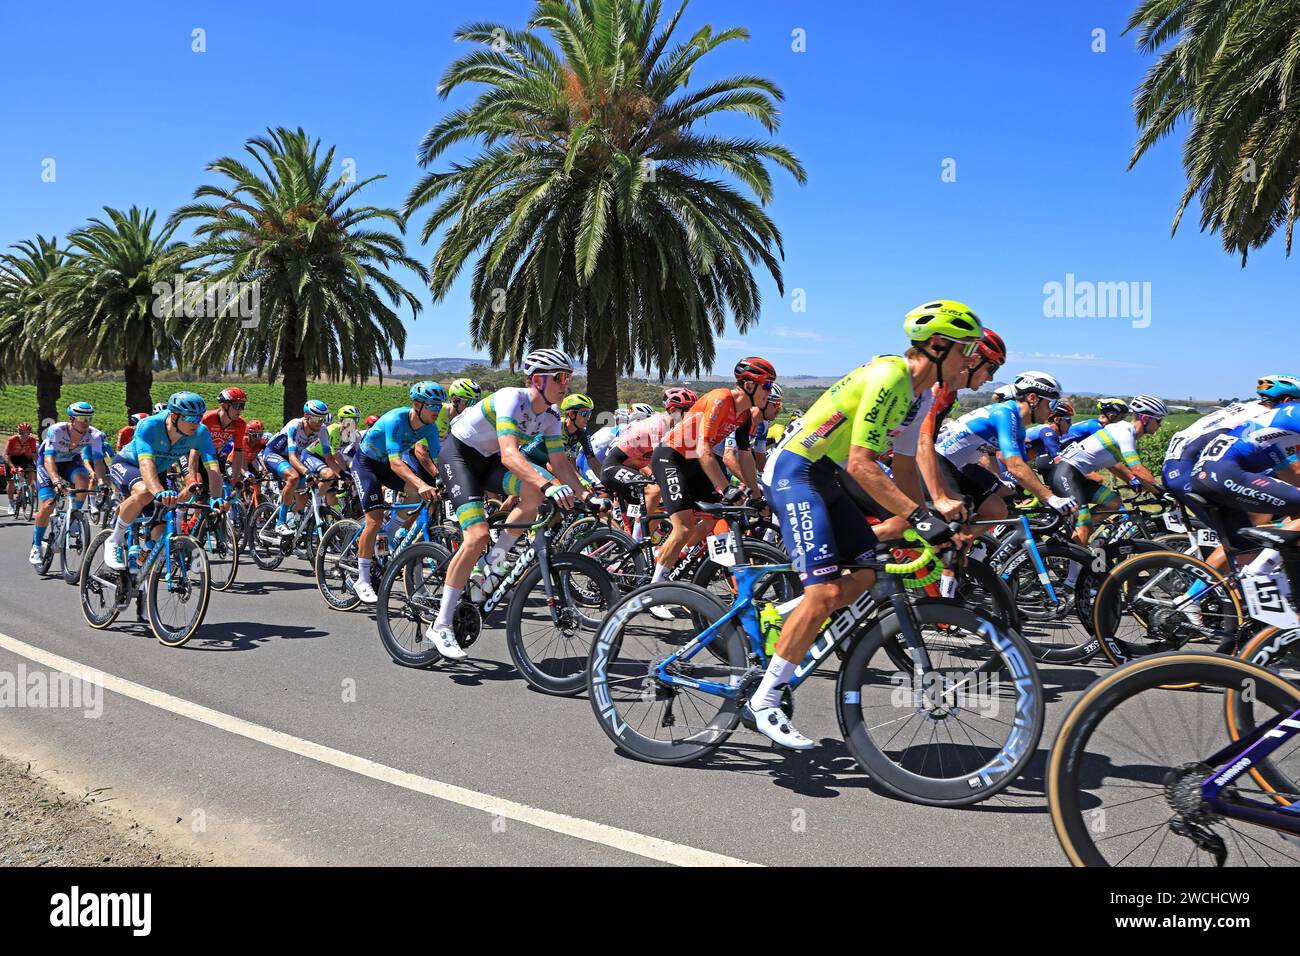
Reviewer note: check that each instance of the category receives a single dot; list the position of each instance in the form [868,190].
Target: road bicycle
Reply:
[67,535]
[167,578]
[936,702]
[307,527]
[557,600]
[24,499]
[216,532]
[1180,759]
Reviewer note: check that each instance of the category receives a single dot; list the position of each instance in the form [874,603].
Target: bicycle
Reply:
[573,597]
[24,500]
[216,533]
[171,570]
[68,534]
[913,675]
[1139,774]
[307,526]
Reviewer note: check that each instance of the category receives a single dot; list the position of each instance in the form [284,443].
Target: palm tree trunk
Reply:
[293,370]
[139,386]
[602,375]
[49,381]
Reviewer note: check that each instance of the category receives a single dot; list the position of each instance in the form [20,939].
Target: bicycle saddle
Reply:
[1272,537]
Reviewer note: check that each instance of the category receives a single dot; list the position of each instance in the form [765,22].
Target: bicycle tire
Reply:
[1077,821]
[335,545]
[72,547]
[100,613]
[611,696]
[553,675]
[627,563]
[1009,656]
[420,607]
[261,522]
[53,531]
[188,553]
[219,534]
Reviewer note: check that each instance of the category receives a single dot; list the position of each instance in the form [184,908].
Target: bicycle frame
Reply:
[1236,759]
[1004,563]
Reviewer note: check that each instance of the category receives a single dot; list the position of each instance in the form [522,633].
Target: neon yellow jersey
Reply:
[337,438]
[872,407]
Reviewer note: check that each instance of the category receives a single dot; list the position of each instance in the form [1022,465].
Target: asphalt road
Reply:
[305,743]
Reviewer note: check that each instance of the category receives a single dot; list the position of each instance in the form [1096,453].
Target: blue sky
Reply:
[1038,125]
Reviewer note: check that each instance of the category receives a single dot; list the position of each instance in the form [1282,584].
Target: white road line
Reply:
[652,848]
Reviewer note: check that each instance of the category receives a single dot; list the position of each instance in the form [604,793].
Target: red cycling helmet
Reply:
[233,394]
[754,369]
[24,428]
[991,348]
[679,399]
[256,425]
[371,419]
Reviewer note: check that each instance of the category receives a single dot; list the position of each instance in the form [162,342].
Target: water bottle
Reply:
[769,623]
[398,536]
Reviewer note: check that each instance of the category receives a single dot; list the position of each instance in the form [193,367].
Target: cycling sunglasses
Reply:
[315,419]
[967,348]
[239,405]
[561,378]
[81,418]
[192,419]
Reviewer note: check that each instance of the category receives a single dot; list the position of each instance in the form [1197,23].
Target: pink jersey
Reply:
[640,439]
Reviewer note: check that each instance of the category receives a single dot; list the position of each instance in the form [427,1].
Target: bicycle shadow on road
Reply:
[268,587]
[248,635]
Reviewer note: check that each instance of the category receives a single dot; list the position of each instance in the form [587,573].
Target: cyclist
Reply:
[483,450]
[1000,429]
[1112,447]
[61,462]
[729,450]
[631,452]
[255,439]
[160,442]
[1109,411]
[816,476]
[20,452]
[287,457]
[461,394]
[127,431]
[1043,442]
[229,431]
[685,467]
[575,412]
[381,462]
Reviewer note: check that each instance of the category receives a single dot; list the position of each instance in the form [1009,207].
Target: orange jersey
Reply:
[124,435]
[713,417]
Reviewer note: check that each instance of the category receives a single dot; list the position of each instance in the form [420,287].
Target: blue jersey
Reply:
[1263,444]
[392,436]
[151,441]
[1043,440]
[993,428]
[1081,430]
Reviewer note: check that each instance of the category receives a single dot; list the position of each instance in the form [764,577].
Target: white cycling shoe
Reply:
[773,724]
[283,530]
[661,612]
[444,638]
[114,557]
[35,557]
[365,593]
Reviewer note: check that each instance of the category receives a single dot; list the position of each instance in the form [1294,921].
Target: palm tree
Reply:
[103,301]
[319,264]
[596,207]
[1230,67]
[24,290]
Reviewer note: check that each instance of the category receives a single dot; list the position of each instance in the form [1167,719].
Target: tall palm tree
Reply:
[102,307]
[597,207]
[320,266]
[24,290]
[1230,66]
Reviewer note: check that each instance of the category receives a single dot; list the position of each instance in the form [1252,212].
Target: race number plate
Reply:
[721,550]
[1206,538]
[634,511]
[1267,602]
[1174,522]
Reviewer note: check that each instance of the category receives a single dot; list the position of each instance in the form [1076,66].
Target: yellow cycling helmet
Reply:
[578,401]
[942,317]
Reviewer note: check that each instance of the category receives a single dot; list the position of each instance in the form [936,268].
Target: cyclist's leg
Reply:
[136,498]
[683,484]
[1068,482]
[465,472]
[45,495]
[372,477]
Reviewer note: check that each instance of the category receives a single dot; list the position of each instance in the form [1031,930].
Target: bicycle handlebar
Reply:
[926,556]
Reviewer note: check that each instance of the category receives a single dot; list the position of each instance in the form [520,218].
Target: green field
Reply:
[18,402]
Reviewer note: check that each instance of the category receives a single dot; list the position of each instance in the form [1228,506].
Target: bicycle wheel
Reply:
[1125,774]
[72,547]
[980,587]
[550,644]
[103,590]
[177,591]
[1141,606]
[409,594]
[645,717]
[575,531]
[336,565]
[50,543]
[29,505]
[1054,628]
[967,731]
[267,548]
[628,564]
[222,548]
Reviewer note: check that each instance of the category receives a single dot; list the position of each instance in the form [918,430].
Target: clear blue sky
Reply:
[1040,128]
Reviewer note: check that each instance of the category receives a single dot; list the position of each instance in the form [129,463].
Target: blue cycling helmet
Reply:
[81,410]
[430,393]
[187,403]
[1279,386]
[315,408]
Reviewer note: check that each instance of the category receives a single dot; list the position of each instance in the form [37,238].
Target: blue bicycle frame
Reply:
[1237,758]
[1023,533]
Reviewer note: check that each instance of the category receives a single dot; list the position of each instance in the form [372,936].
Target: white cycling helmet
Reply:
[1003,392]
[1044,383]
[1148,405]
[639,411]
[542,361]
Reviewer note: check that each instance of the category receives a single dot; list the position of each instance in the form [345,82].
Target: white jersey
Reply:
[604,439]
[1115,444]
[294,439]
[507,411]
[64,446]
[1223,419]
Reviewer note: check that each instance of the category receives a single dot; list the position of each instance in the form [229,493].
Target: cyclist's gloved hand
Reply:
[1065,506]
[731,495]
[166,497]
[929,525]
[1135,482]
[561,494]
[758,502]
